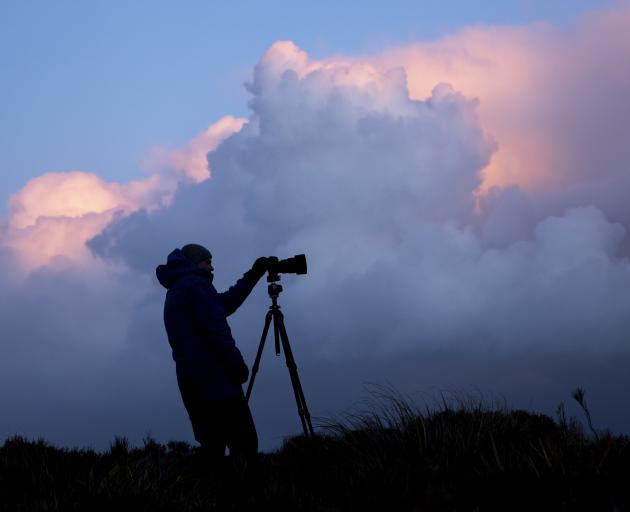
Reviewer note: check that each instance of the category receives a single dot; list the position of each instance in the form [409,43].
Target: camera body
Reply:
[294,265]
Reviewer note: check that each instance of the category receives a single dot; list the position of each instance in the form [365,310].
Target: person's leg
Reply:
[207,422]
[220,423]
[242,439]
[212,440]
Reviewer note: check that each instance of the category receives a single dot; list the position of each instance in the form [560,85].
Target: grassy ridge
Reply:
[463,458]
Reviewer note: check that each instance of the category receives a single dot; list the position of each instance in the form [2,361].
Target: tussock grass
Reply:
[462,455]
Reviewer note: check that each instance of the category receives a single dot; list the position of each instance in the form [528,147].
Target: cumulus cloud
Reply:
[454,238]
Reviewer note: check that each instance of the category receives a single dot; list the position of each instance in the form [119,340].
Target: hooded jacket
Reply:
[195,317]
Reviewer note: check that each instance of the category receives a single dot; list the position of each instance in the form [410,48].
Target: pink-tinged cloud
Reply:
[555,100]
[54,215]
[65,194]
[190,163]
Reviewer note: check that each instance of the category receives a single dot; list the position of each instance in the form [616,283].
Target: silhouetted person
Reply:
[210,368]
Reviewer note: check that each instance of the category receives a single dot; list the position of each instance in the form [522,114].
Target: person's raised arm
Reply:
[236,294]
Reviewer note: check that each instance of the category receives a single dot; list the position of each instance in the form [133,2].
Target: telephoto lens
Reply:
[294,265]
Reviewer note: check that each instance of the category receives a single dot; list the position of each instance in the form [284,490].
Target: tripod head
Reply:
[274,287]
[273,277]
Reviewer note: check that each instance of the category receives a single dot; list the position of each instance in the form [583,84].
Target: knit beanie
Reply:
[196,253]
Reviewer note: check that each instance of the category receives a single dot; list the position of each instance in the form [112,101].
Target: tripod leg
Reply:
[250,385]
[276,332]
[305,416]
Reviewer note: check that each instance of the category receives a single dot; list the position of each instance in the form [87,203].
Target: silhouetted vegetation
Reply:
[463,457]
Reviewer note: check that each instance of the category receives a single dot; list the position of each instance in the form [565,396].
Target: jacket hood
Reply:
[178,265]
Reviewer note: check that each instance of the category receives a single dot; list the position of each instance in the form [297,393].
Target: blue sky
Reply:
[93,85]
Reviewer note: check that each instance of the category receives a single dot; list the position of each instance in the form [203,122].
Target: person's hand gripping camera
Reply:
[263,264]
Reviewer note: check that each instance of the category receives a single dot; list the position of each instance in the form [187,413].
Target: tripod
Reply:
[280,336]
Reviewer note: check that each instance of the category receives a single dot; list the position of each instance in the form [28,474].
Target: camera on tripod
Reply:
[294,265]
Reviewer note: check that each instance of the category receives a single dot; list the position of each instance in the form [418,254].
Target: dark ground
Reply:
[459,458]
